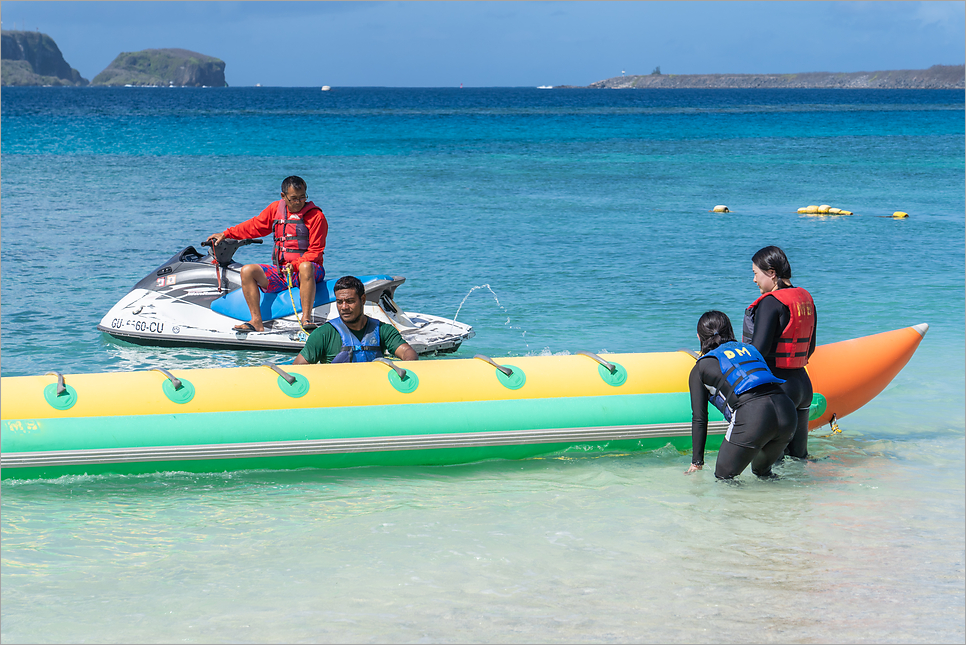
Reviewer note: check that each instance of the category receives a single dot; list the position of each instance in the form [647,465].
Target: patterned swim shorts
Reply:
[276,277]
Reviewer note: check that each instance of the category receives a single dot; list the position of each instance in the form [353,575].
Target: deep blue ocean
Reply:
[552,221]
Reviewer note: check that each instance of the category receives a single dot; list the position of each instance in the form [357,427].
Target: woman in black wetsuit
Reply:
[781,325]
[733,377]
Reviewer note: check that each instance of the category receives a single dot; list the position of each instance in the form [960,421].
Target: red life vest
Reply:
[290,232]
[793,343]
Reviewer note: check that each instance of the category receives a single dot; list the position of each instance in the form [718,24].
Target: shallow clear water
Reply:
[586,215]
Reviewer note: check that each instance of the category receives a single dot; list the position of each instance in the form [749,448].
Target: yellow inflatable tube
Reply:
[381,413]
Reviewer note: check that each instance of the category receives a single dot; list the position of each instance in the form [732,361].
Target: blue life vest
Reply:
[354,350]
[744,368]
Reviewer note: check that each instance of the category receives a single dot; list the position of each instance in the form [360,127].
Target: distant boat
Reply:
[326,88]
[545,87]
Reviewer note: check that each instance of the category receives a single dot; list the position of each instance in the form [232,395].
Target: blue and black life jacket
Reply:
[744,368]
[355,350]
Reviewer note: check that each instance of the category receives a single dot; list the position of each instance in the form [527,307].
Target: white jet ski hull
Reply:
[172,307]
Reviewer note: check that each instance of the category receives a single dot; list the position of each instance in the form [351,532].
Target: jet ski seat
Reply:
[278,305]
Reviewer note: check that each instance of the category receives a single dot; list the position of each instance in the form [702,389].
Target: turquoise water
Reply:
[585,215]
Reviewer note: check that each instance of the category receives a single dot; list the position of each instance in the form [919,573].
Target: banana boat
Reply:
[385,413]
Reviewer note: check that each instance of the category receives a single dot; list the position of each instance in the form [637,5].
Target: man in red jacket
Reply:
[299,228]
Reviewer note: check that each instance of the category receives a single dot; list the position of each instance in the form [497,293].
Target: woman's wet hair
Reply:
[714,328]
[772,258]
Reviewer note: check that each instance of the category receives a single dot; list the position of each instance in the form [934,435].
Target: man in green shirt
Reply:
[353,337]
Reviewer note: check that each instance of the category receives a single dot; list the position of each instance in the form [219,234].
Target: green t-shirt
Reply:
[325,343]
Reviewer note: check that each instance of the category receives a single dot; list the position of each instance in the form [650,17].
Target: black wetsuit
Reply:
[771,317]
[763,422]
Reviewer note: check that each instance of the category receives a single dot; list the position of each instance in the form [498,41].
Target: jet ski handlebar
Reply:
[225,250]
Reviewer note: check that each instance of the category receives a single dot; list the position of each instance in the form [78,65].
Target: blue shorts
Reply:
[277,281]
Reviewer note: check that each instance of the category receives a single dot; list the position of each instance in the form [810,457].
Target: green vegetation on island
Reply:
[33,58]
[30,58]
[163,67]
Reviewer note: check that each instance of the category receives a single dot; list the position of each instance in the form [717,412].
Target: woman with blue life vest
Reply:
[781,325]
[353,337]
[734,378]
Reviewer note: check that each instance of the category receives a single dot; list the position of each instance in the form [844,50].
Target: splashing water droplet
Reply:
[498,304]
[466,297]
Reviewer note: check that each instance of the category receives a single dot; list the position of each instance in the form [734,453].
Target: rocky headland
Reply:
[33,58]
[30,58]
[937,77]
[163,67]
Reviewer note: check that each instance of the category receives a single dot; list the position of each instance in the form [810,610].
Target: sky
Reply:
[503,44]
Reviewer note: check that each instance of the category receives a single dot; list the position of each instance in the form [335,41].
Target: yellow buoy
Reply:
[803,210]
[720,208]
[835,211]
[823,209]
[845,213]
[812,209]
[900,215]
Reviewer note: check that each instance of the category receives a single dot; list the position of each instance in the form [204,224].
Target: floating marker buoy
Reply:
[900,215]
[720,208]
[824,209]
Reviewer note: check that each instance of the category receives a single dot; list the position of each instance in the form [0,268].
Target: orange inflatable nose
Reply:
[851,373]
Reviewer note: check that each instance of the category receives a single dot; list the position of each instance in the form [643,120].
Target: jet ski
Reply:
[195,299]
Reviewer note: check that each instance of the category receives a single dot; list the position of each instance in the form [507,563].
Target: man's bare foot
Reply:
[248,326]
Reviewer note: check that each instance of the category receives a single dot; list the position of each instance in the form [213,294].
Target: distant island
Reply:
[165,68]
[32,58]
[937,77]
